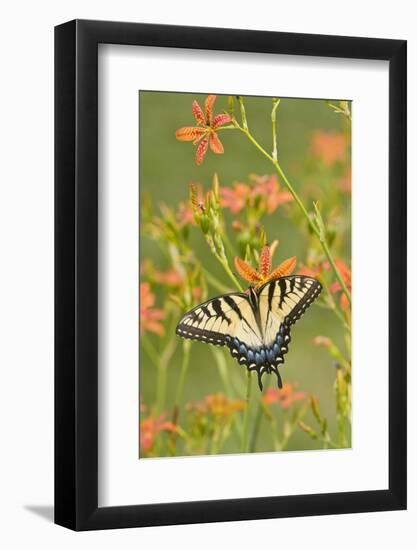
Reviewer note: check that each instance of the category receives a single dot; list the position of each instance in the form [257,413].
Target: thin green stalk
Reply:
[297,199]
[224,373]
[219,357]
[183,375]
[243,112]
[333,306]
[149,348]
[275,103]
[245,435]
[211,279]
[162,364]
[226,267]
[229,246]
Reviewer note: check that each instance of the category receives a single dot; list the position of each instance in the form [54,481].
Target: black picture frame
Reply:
[76,272]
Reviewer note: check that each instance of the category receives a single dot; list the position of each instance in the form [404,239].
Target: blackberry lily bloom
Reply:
[264,274]
[204,134]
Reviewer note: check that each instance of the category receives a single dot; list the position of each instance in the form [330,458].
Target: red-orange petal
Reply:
[265,262]
[198,113]
[208,108]
[284,269]
[247,272]
[201,150]
[189,133]
[221,119]
[215,144]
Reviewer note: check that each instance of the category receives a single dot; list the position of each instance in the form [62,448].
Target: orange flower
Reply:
[264,275]
[268,188]
[217,404]
[322,341]
[310,271]
[344,271]
[345,184]
[150,317]
[169,278]
[265,188]
[235,198]
[185,215]
[346,275]
[149,429]
[204,133]
[329,147]
[220,405]
[285,396]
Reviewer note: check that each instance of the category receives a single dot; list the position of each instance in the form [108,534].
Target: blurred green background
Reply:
[167,166]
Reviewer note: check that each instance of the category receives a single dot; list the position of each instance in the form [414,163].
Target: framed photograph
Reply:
[230,275]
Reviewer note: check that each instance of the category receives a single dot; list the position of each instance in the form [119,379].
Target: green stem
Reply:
[226,267]
[297,199]
[331,304]
[162,364]
[245,435]
[275,103]
[243,112]
[211,279]
[183,376]
[149,348]
[258,418]
[219,357]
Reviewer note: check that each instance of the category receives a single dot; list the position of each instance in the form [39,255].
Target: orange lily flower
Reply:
[265,190]
[149,429]
[149,316]
[329,147]
[264,274]
[347,278]
[217,405]
[285,396]
[204,133]
[344,271]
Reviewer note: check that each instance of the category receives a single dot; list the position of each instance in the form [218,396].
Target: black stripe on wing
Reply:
[192,324]
[287,288]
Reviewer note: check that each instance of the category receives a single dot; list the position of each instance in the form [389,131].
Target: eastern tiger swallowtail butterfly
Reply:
[254,326]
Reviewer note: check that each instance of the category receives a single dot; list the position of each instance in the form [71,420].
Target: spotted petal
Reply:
[265,262]
[189,133]
[215,144]
[198,113]
[247,272]
[201,150]
[220,119]
[208,108]
[283,270]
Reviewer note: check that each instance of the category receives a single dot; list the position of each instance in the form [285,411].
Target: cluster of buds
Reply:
[208,216]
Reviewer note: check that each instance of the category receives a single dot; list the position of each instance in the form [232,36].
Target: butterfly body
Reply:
[255,326]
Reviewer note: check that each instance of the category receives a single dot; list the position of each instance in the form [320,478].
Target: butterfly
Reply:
[255,326]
